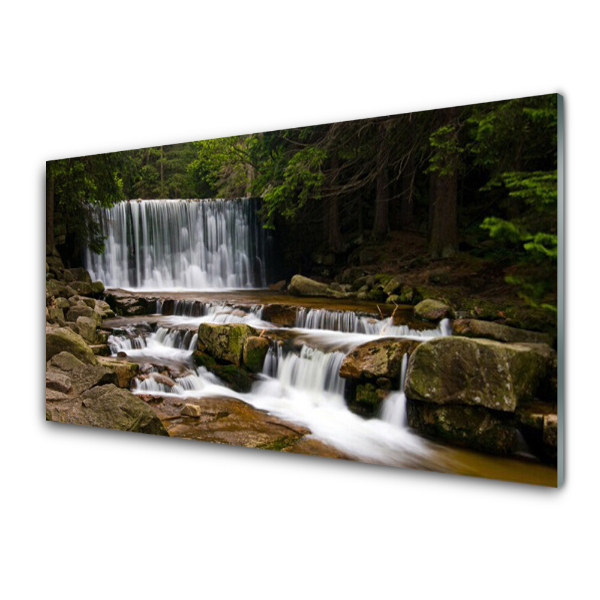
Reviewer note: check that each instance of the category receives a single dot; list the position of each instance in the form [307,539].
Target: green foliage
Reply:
[446,150]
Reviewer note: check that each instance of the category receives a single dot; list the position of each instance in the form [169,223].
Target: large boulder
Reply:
[87,329]
[63,339]
[80,274]
[495,331]
[224,342]
[432,310]
[82,288]
[303,286]
[79,310]
[379,358]
[254,353]
[109,407]
[457,370]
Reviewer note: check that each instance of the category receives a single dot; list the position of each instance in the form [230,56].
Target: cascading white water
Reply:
[174,244]
[349,322]
[393,409]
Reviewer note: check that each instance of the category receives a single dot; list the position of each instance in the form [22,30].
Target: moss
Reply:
[235,377]
[201,359]
[279,444]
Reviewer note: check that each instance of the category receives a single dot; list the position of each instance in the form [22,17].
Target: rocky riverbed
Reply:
[333,372]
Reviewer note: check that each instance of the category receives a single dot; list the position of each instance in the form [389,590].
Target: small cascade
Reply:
[393,409]
[349,322]
[311,370]
[181,244]
[273,359]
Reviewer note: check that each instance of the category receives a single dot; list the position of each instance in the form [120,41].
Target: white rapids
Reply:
[300,385]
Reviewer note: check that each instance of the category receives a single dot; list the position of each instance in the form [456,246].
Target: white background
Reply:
[94,514]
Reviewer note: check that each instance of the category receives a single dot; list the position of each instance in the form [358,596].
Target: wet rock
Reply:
[100,349]
[63,339]
[457,370]
[124,370]
[368,393]
[162,379]
[472,427]
[379,358]
[87,329]
[191,410]
[254,353]
[432,310]
[495,331]
[224,342]
[131,305]
[303,286]
[280,314]
[97,289]
[234,377]
[110,407]
[201,359]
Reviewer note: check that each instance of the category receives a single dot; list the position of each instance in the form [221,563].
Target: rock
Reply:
[124,370]
[303,286]
[58,381]
[201,359]
[55,315]
[457,370]
[393,286]
[79,310]
[97,288]
[279,286]
[495,331]
[110,407]
[467,426]
[235,377]
[350,275]
[55,289]
[409,295]
[162,379]
[64,361]
[80,274]
[224,342]
[100,349]
[82,288]
[191,410]
[393,299]
[379,358]
[62,303]
[550,430]
[368,393]
[88,302]
[65,340]
[254,353]
[280,314]
[432,310]
[87,329]
[377,295]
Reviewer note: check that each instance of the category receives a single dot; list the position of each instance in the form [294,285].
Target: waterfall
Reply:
[393,409]
[173,244]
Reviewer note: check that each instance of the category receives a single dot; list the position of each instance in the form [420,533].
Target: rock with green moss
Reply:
[472,427]
[254,353]
[224,342]
[433,310]
[82,288]
[87,329]
[393,285]
[124,370]
[303,286]
[201,359]
[64,339]
[457,370]
[234,377]
[379,358]
[280,314]
[97,288]
[80,274]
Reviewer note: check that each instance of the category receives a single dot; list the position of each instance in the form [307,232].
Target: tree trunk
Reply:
[443,240]
[332,217]
[382,196]
[406,198]
[49,210]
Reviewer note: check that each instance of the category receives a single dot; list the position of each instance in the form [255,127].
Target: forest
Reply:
[473,182]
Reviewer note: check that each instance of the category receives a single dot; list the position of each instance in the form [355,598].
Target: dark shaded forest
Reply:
[456,186]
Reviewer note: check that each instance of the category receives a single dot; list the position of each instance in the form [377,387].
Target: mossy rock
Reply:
[457,370]
[255,351]
[201,359]
[234,377]
[64,339]
[433,310]
[224,342]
